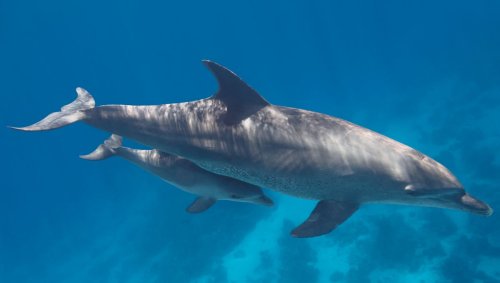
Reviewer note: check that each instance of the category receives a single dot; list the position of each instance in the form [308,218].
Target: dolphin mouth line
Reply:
[484,212]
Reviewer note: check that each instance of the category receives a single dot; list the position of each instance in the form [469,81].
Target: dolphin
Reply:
[184,175]
[239,134]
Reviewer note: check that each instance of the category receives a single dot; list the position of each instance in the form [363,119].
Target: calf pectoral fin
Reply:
[200,204]
[326,216]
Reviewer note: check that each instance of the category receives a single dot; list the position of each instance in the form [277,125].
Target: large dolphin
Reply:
[237,133]
[184,175]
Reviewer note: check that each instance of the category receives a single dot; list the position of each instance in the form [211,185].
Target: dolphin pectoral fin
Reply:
[200,204]
[326,216]
[240,99]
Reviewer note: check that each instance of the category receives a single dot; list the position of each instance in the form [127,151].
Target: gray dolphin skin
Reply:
[237,133]
[184,175]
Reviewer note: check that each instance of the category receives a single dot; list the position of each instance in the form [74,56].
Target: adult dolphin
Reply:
[183,174]
[237,133]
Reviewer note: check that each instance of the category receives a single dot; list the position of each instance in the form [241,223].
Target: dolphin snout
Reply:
[476,206]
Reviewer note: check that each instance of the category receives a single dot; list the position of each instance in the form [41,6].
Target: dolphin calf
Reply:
[239,134]
[183,174]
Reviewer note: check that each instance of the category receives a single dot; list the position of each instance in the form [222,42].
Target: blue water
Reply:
[426,73]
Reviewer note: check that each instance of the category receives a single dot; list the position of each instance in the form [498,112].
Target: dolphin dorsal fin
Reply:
[240,99]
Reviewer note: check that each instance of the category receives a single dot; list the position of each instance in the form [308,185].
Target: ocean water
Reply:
[426,73]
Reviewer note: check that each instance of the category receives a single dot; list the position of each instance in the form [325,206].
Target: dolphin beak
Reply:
[476,206]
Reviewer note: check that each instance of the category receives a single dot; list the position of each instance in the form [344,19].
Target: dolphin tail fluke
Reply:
[105,150]
[73,112]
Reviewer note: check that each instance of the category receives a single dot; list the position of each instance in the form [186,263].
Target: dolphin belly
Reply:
[305,183]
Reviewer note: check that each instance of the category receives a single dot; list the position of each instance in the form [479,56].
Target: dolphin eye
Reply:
[236,196]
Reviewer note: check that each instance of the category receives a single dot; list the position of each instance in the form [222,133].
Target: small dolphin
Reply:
[184,175]
[237,133]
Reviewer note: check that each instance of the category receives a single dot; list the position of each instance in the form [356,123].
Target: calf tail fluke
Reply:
[105,150]
[73,112]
